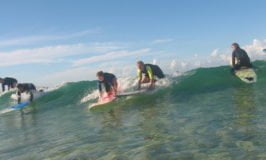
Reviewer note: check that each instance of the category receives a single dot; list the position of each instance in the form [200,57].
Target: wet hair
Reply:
[236,45]
[99,74]
[140,62]
[19,86]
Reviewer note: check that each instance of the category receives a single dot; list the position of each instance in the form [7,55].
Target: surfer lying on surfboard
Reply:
[107,81]
[240,58]
[149,71]
[29,88]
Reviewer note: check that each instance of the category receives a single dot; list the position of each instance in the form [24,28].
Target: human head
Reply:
[235,46]
[20,87]
[100,76]
[14,84]
[140,65]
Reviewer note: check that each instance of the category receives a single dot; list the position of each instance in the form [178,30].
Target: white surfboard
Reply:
[102,102]
[111,99]
[132,93]
[247,75]
[26,97]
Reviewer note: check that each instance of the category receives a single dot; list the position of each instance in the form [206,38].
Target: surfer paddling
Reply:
[109,82]
[28,88]
[240,58]
[150,71]
[9,82]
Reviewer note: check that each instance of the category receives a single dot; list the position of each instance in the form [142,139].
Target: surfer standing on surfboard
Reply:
[149,71]
[240,58]
[109,82]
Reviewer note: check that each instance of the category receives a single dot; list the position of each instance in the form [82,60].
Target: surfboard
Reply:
[107,100]
[102,102]
[26,97]
[125,94]
[247,75]
[15,107]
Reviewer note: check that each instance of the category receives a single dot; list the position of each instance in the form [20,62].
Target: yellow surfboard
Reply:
[247,75]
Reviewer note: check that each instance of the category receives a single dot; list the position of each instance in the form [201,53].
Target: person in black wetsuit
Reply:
[9,82]
[240,58]
[150,71]
[25,87]
[109,82]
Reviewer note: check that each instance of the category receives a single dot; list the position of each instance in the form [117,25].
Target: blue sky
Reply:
[51,41]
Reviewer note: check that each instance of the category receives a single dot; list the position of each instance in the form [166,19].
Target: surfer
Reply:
[240,58]
[28,88]
[149,71]
[109,82]
[9,82]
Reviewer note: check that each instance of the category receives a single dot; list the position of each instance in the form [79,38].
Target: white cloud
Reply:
[160,41]
[40,38]
[68,75]
[214,53]
[256,48]
[87,73]
[111,56]
[52,53]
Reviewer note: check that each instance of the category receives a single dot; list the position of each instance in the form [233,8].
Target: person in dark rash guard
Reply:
[9,82]
[26,87]
[240,58]
[108,81]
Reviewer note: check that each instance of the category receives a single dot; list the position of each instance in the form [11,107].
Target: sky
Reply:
[48,42]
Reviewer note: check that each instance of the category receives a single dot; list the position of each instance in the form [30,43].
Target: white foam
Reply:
[127,84]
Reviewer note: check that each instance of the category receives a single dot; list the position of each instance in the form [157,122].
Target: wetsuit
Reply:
[107,82]
[242,59]
[151,71]
[8,82]
[26,87]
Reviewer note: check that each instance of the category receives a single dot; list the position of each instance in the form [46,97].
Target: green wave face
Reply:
[207,113]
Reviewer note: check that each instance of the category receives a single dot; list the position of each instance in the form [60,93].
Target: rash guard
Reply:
[151,71]
[107,82]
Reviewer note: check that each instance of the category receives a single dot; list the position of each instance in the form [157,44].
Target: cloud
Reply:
[256,48]
[68,75]
[111,56]
[214,53]
[41,38]
[160,41]
[51,54]
[87,73]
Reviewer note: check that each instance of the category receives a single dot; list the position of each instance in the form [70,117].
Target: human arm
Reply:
[115,86]
[233,59]
[100,89]
[151,77]
[139,79]
[3,87]
[19,97]
[31,96]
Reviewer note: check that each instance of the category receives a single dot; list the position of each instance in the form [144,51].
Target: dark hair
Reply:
[140,62]
[236,45]
[99,74]
[19,85]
